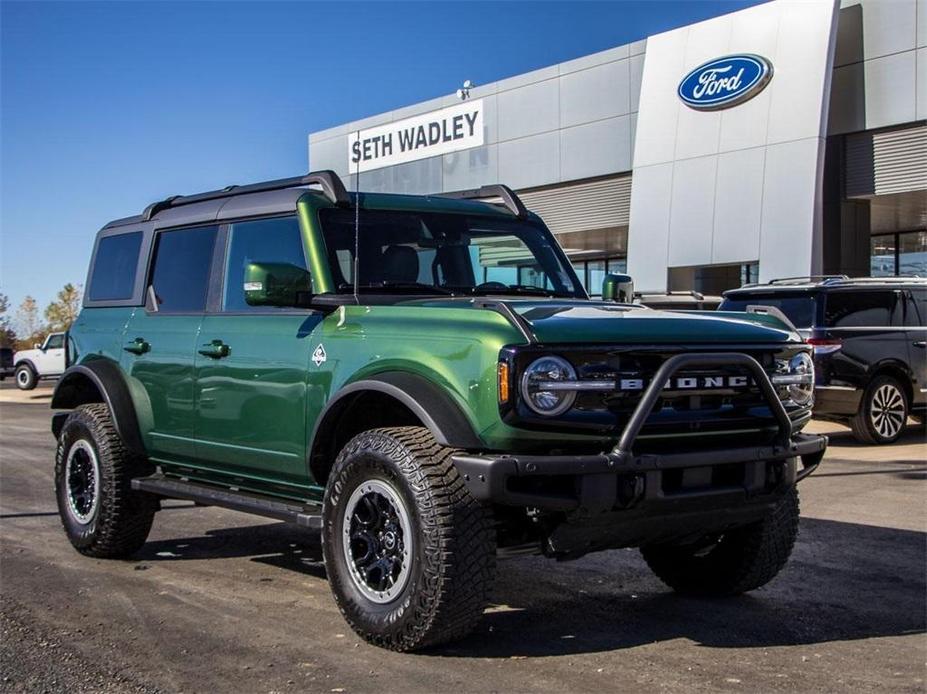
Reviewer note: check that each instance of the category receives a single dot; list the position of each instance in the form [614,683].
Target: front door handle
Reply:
[921,343]
[215,349]
[138,346]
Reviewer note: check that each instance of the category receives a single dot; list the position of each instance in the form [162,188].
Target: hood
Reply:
[25,354]
[558,321]
[604,322]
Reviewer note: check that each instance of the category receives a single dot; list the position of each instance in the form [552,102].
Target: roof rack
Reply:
[511,201]
[807,279]
[332,188]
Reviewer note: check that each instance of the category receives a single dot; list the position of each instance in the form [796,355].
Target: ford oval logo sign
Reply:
[725,82]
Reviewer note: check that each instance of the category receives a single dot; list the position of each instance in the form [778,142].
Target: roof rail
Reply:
[332,187]
[807,279]
[511,201]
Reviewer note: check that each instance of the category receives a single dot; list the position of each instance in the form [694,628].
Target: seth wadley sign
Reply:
[428,135]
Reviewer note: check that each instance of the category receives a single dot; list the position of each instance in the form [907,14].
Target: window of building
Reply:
[180,271]
[592,272]
[274,240]
[114,267]
[898,254]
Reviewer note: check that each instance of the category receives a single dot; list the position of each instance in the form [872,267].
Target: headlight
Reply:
[798,377]
[541,386]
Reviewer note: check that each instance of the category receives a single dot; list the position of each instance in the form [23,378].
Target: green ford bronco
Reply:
[423,381]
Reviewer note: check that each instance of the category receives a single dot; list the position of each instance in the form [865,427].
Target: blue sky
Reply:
[105,107]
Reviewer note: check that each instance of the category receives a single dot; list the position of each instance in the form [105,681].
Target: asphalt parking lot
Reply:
[220,601]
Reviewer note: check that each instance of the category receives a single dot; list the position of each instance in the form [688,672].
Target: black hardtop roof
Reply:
[282,194]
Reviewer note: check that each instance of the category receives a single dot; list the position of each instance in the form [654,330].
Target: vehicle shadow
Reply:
[845,581]
[278,544]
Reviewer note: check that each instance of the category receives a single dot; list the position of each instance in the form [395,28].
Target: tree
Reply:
[28,325]
[7,334]
[61,313]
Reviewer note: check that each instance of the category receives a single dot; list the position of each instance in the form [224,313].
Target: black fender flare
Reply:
[427,401]
[27,362]
[107,378]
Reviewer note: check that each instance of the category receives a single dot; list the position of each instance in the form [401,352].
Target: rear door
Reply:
[251,393]
[160,344]
[916,323]
[870,323]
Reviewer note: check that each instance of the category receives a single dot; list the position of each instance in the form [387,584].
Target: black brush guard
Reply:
[597,478]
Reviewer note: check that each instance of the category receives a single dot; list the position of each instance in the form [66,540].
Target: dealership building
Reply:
[787,139]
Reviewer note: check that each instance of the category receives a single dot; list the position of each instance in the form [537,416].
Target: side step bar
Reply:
[207,495]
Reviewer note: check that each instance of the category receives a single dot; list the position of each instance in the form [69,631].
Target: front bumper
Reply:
[590,484]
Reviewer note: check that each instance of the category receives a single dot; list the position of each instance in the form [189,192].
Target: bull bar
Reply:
[488,476]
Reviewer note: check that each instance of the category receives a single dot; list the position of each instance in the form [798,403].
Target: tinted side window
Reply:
[114,268]
[180,272]
[262,241]
[55,342]
[859,309]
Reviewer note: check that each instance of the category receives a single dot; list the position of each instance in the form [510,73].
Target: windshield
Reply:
[451,254]
[798,309]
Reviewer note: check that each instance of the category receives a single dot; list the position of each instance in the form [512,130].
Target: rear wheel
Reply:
[101,514]
[883,412]
[410,554]
[735,562]
[26,378]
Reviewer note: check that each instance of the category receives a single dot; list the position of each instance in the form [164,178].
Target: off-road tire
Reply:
[122,519]
[864,430]
[454,550]
[742,560]
[26,377]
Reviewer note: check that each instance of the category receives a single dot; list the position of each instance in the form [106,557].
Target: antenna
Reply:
[357,227]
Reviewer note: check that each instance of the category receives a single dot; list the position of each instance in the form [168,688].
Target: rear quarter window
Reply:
[114,267]
[860,309]
[798,309]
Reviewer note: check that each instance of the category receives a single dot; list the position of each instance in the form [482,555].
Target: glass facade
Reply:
[898,254]
[592,272]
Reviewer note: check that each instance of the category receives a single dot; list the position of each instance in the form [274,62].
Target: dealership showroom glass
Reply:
[787,139]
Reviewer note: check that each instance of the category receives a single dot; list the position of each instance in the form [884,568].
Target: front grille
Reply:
[702,402]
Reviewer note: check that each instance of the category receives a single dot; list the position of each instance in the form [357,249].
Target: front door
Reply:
[160,344]
[251,367]
[51,358]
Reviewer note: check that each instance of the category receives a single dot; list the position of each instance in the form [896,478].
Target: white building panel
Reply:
[791,210]
[736,233]
[720,208]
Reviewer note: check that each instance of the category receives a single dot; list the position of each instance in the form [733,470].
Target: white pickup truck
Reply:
[45,361]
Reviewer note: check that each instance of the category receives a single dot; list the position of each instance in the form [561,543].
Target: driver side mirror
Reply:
[619,288]
[277,284]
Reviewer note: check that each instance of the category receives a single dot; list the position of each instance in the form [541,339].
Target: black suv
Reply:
[869,336]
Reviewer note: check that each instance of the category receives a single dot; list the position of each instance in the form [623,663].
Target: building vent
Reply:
[885,162]
[602,203]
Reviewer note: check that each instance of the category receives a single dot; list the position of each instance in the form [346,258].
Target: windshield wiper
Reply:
[525,289]
[424,288]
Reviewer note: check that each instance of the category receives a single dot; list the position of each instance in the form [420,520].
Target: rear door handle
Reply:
[138,346]
[215,349]
[921,343]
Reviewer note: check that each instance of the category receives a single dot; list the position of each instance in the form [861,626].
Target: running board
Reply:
[247,502]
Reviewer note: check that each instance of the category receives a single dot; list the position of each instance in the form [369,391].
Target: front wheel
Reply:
[734,562]
[410,554]
[883,412]
[26,378]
